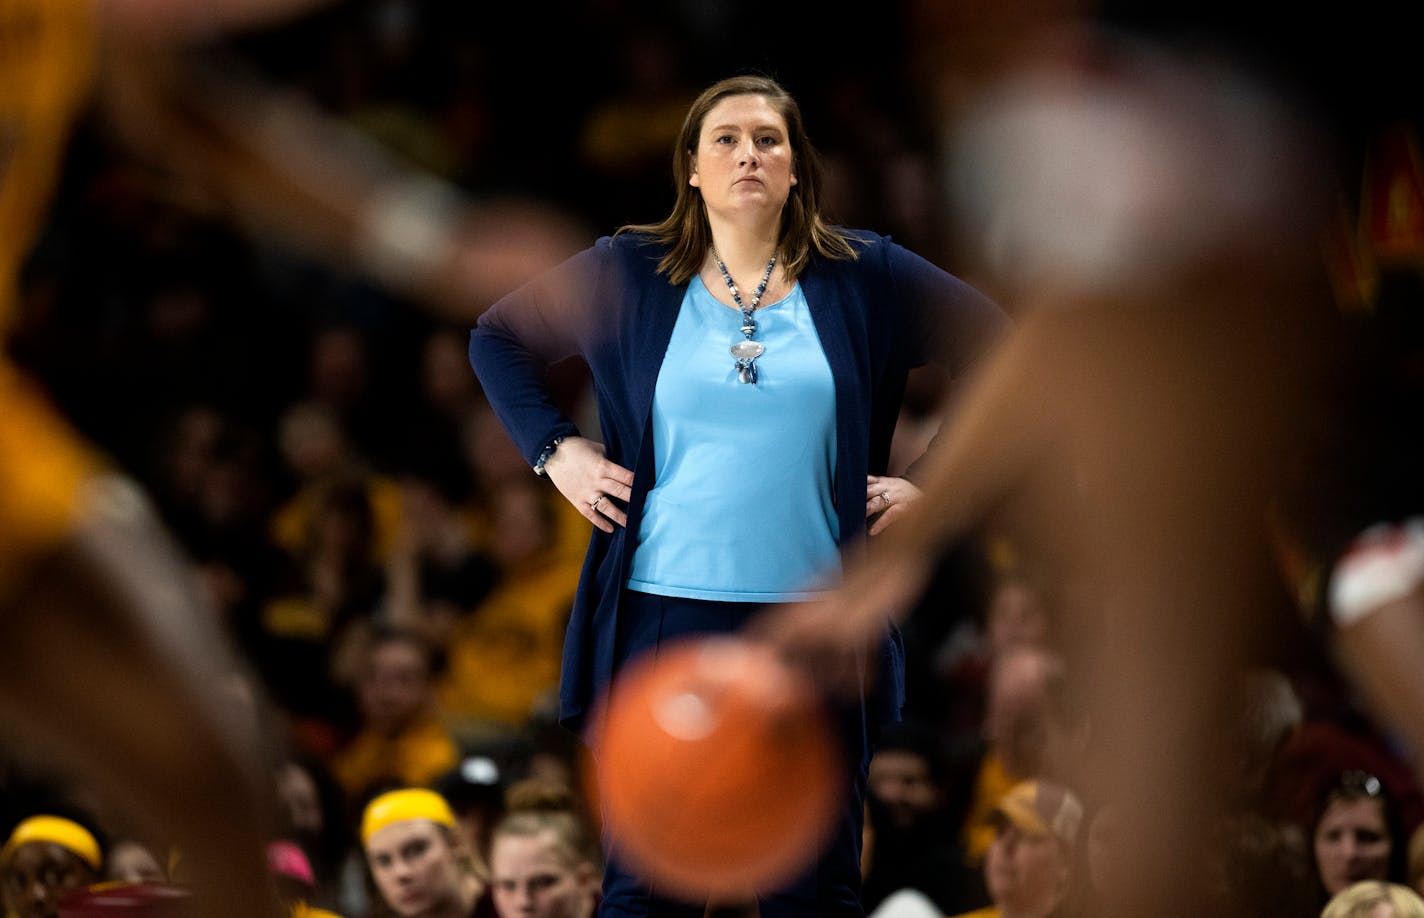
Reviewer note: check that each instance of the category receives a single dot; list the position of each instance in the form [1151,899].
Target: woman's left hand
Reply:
[886,499]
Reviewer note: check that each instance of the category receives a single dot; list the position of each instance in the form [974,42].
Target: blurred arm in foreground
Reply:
[114,661]
[1154,214]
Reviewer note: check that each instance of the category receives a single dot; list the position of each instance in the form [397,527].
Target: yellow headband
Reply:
[401,805]
[66,833]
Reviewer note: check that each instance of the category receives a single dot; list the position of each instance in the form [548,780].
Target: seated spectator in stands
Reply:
[45,857]
[401,738]
[545,860]
[296,883]
[1029,867]
[1031,729]
[504,656]
[437,570]
[310,623]
[1356,834]
[132,860]
[312,811]
[317,450]
[1015,611]
[418,859]
[911,840]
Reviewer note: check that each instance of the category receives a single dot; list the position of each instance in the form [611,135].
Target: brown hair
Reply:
[686,230]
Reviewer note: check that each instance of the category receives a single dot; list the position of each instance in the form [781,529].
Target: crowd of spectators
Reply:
[396,576]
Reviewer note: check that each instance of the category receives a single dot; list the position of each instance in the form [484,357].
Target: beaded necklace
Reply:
[746,351]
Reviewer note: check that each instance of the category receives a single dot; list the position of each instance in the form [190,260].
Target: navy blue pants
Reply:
[831,886]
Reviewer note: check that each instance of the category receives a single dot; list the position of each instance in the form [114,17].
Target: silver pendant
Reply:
[746,353]
[747,350]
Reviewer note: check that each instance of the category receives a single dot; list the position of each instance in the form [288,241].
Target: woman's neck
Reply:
[744,250]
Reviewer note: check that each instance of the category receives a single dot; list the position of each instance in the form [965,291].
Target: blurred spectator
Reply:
[309,626]
[312,812]
[1357,834]
[504,655]
[1315,756]
[1030,865]
[319,453]
[1031,729]
[132,860]
[1015,611]
[1374,899]
[343,378]
[296,882]
[911,838]
[437,571]
[475,790]
[44,857]
[400,736]
[428,435]
[627,133]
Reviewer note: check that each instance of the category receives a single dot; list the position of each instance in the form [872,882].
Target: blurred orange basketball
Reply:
[717,770]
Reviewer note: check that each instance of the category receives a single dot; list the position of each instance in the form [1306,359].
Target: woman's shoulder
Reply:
[870,251]
[632,242]
[865,243]
[860,238]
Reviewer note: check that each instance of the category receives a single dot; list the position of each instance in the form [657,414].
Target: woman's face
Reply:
[415,867]
[1352,843]
[744,161]
[1025,873]
[532,879]
[37,875]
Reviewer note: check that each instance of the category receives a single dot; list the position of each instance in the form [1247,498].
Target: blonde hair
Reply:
[534,806]
[1358,900]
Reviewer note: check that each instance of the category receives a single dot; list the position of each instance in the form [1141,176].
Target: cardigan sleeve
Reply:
[946,320]
[522,335]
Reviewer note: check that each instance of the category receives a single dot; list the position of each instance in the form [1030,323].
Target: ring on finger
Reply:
[593,505]
[885,496]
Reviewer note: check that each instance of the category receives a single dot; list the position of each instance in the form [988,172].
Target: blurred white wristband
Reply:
[907,903]
[1383,565]
[407,229]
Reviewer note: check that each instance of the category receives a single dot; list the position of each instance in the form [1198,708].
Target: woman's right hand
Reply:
[597,487]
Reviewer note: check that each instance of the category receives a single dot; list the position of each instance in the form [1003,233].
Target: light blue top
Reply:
[734,517]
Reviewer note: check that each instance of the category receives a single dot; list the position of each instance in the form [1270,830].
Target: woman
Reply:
[1030,867]
[1356,834]
[724,481]
[543,856]
[418,859]
[45,857]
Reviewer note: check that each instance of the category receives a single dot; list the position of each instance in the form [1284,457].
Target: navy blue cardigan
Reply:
[877,316]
